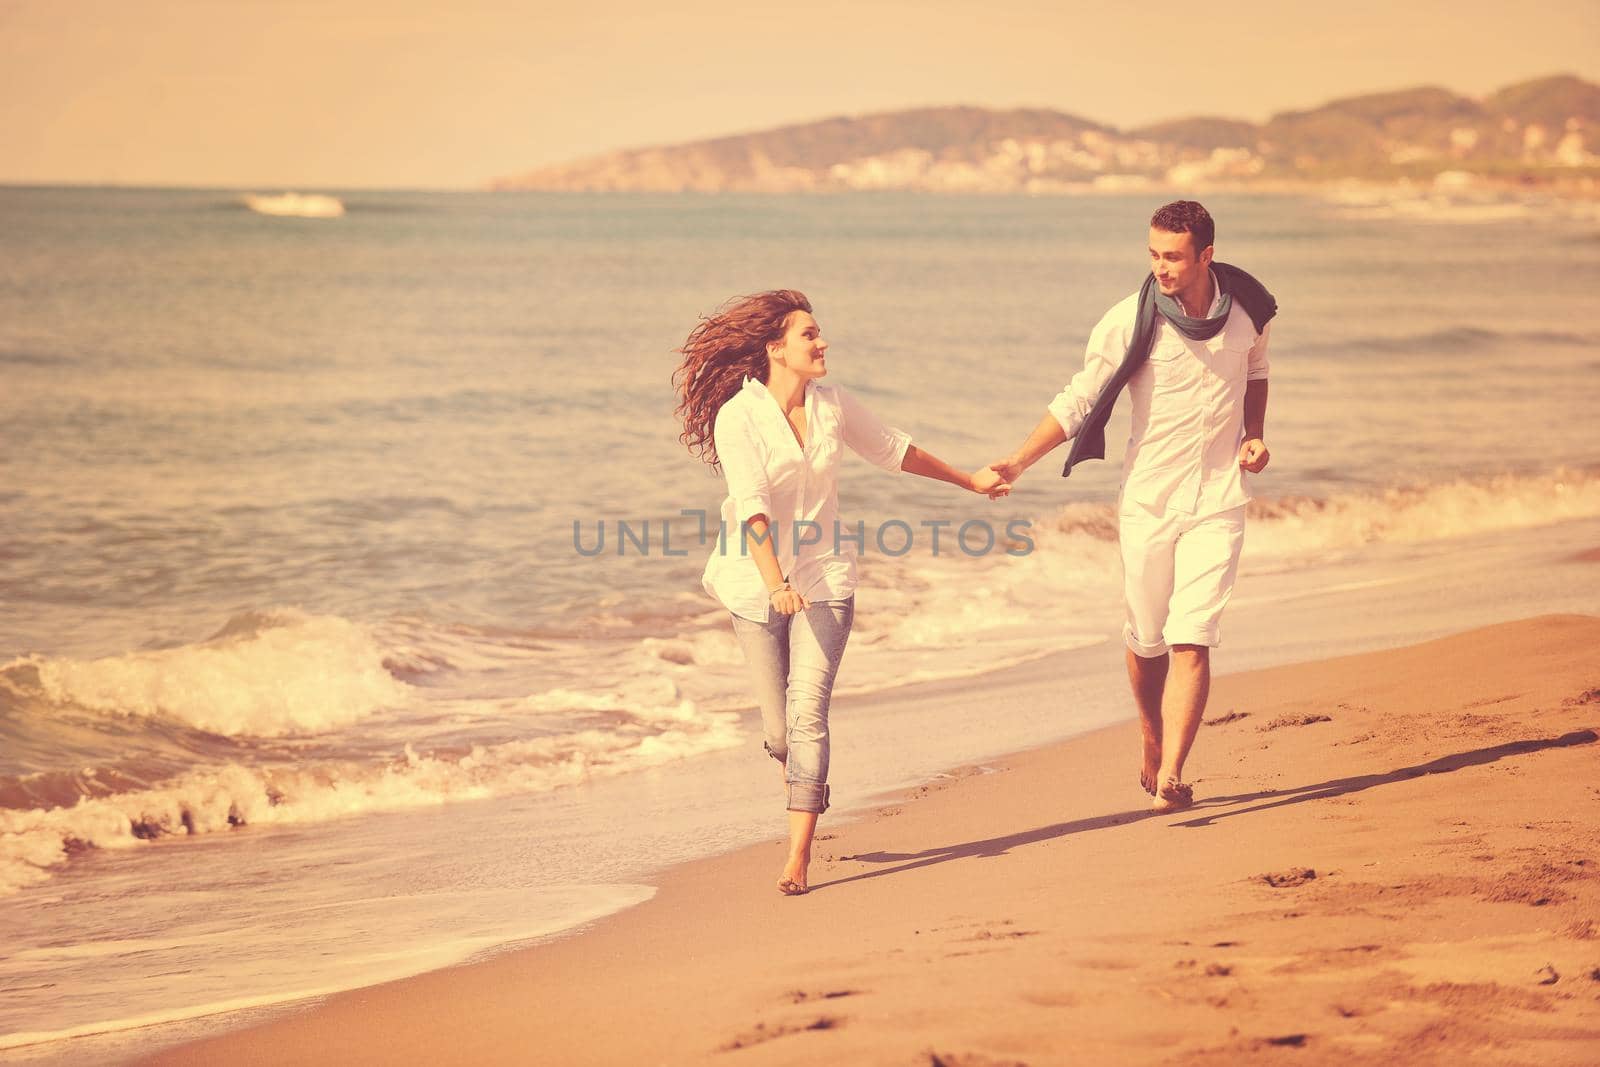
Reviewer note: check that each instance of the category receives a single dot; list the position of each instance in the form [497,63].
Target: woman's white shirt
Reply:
[768,473]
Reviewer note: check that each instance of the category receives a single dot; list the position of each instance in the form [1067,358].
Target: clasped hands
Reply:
[994,481]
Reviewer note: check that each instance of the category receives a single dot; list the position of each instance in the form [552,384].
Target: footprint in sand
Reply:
[1212,970]
[762,1033]
[997,935]
[1292,877]
[968,1059]
[1538,884]
[800,996]
[1293,720]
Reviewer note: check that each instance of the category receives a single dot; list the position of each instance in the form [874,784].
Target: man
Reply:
[1191,349]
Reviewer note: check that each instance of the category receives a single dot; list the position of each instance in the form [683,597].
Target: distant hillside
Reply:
[1543,130]
[1202,133]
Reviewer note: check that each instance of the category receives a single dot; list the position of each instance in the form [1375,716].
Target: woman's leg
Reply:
[766,657]
[816,645]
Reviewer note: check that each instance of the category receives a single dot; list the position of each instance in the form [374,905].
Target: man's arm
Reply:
[1066,413]
[1045,437]
[1071,407]
[1253,454]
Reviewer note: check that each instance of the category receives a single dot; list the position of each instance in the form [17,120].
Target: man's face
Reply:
[1179,270]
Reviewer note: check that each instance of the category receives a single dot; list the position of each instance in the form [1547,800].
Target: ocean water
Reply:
[350,566]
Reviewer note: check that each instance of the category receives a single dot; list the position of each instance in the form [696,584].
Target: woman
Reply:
[751,404]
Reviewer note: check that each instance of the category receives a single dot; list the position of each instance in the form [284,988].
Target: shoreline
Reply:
[1018,980]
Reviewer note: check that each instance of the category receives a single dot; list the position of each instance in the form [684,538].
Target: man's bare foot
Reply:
[1151,767]
[793,882]
[1173,796]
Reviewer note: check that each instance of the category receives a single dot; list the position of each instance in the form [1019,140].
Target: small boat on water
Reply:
[296,205]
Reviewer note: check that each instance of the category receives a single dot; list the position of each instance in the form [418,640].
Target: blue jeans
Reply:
[793,660]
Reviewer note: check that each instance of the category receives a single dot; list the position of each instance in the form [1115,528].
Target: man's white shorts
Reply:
[1178,573]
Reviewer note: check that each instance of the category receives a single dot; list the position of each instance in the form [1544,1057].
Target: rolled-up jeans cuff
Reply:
[808,796]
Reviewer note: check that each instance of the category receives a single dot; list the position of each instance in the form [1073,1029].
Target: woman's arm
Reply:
[928,465]
[890,449]
[785,600]
[743,466]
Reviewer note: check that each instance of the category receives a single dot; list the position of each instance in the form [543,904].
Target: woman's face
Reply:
[803,347]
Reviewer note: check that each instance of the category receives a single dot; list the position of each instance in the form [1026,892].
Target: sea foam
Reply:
[224,798]
[271,674]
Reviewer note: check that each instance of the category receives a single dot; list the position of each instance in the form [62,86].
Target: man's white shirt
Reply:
[1188,407]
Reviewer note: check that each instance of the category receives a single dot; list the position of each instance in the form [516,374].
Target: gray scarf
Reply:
[1195,329]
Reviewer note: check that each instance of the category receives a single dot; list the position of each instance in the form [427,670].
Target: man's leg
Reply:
[1206,562]
[1147,542]
[1148,677]
[1182,705]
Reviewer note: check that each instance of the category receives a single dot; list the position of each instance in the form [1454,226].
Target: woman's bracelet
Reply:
[774,592]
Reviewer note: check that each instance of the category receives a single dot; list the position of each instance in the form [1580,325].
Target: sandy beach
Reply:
[1392,859]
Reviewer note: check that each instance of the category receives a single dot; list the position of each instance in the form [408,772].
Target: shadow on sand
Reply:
[1208,811]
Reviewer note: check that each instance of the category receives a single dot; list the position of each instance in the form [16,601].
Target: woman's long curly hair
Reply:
[721,352]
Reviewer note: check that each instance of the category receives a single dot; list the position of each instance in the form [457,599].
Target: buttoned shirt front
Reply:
[1188,407]
[797,489]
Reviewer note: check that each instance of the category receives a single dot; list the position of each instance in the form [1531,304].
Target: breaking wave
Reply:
[266,674]
[1306,526]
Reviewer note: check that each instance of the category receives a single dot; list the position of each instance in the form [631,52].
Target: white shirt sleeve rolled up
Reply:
[1108,344]
[868,437]
[1257,361]
[741,454]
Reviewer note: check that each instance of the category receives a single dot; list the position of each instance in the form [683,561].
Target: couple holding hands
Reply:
[1190,348]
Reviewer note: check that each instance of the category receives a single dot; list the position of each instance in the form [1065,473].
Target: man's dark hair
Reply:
[1187,216]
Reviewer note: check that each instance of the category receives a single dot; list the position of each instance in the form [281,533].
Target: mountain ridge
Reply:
[1542,131]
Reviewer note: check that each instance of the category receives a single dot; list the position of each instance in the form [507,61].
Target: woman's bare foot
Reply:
[793,882]
[802,827]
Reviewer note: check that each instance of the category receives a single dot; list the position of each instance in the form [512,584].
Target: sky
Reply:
[404,94]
